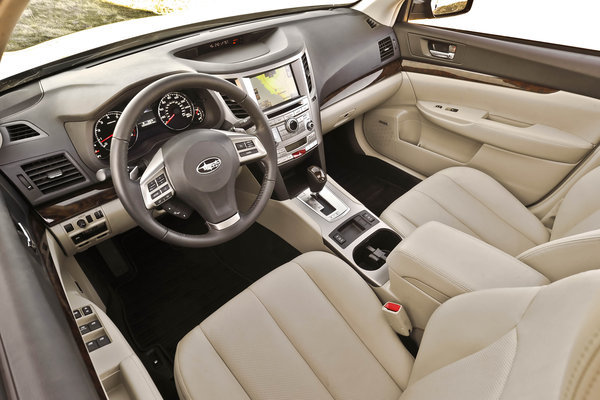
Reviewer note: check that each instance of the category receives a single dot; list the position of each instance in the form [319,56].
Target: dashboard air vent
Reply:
[371,23]
[20,132]
[235,108]
[386,49]
[53,173]
[307,72]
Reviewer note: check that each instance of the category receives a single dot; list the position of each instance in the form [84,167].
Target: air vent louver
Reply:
[307,72]
[371,23]
[20,132]
[386,49]
[53,173]
[235,108]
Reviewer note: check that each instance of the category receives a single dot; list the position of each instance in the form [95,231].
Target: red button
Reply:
[392,306]
[299,153]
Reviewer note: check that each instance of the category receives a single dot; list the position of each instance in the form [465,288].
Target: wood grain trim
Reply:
[55,213]
[455,73]
[388,70]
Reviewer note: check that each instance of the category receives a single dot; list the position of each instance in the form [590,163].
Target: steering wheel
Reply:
[198,167]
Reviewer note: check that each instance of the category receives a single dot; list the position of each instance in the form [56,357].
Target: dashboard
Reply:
[56,132]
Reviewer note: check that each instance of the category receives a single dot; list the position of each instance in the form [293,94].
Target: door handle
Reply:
[441,54]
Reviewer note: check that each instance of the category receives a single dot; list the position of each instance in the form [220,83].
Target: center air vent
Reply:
[307,72]
[235,108]
[386,49]
[53,173]
[20,132]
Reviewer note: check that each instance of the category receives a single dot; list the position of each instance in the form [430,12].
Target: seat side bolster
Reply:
[360,307]
[564,257]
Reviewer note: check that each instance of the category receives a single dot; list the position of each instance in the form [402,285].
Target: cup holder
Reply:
[372,252]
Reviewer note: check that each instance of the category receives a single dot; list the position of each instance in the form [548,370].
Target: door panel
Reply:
[518,126]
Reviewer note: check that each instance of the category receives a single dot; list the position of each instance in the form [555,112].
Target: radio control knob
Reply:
[291,125]
[310,125]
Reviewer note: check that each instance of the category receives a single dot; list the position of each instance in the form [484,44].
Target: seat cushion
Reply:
[311,329]
[470,201]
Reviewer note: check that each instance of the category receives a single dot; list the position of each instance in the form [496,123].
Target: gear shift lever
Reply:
[316,179]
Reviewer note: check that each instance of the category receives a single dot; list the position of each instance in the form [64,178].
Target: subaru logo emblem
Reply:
[209,165]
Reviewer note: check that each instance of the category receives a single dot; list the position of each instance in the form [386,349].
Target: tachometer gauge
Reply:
[176,111]
[103,133]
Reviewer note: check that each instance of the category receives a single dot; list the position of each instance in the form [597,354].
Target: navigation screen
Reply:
[274,87]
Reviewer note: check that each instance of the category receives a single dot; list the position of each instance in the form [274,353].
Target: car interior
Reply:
[332,203]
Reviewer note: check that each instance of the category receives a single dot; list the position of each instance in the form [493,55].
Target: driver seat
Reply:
[313,329]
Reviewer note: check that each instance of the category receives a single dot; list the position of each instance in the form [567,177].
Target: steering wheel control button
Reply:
[165,189]
[248,152]
[154,195]
[161,179]
[249,144]
[152,186]
[240,145]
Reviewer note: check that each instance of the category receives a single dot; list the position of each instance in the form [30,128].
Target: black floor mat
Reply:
[170,290]
[372,181]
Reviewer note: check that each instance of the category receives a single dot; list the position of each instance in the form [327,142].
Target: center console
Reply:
[288,98]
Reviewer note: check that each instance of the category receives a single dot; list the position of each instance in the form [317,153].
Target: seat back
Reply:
[516,343]
[580,210]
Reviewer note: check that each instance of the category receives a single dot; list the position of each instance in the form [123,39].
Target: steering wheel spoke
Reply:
[248,147]
[155,184]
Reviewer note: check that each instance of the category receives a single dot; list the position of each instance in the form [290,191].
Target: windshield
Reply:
[53,35]
[48,19]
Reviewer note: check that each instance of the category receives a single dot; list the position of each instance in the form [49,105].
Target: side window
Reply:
[551,21]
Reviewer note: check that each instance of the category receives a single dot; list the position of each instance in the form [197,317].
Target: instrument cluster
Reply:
[174,112]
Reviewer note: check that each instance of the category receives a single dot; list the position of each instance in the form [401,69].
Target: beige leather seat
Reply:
[473,202]
[313,329]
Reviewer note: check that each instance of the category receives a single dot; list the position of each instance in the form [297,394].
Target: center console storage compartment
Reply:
[371,253]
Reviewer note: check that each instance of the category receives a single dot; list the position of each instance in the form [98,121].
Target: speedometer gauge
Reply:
[103,133]
[176,111]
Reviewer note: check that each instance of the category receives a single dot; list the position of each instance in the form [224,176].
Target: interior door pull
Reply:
[441,54]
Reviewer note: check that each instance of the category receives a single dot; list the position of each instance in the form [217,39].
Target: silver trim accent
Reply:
[441,54]
[341,208]
[225,224]
[156,167]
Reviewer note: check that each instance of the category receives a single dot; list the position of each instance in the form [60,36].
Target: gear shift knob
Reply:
[316,178]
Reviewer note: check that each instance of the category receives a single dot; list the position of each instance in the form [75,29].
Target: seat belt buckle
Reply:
[396,316]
